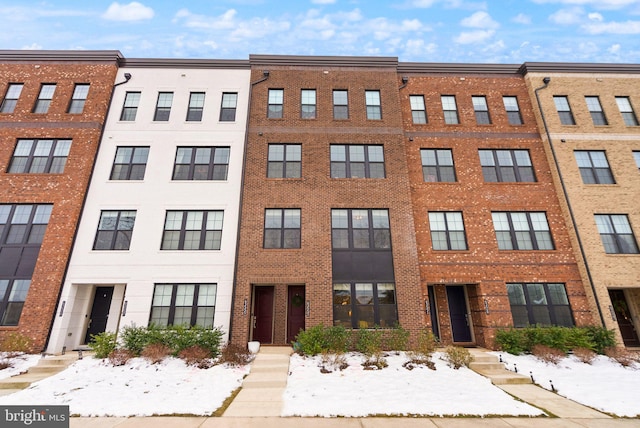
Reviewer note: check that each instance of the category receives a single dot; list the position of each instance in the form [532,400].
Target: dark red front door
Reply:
[262,330]
[295,312]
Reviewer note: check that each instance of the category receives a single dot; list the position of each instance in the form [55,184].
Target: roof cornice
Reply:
[60,56]
[568,67]
[322,61]
[453,68]
[186,63]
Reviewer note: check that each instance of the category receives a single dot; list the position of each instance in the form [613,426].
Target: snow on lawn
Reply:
[394,390]
[19,364]
[604,385]
[92,387]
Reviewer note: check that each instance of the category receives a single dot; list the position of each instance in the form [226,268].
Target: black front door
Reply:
[458,314]
[99,312]
[623,314]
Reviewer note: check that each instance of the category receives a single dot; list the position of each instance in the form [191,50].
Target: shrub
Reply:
[457,356]
[332,362]
[426,344]
[197,356]
[15,342]
[375,362]
[320,339]
[155,352]
[235,355]
[548,354]
[176,338]
[585,355]
[369,342]
[519,340]
[512,341]
[396,339]
[622,356]
[601,338]
[103,344]
[134,339]
[120,357]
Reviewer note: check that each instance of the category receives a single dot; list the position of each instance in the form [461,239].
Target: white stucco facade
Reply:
[134,273]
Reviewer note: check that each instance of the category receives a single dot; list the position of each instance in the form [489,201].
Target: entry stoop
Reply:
[489,366]
[47,366]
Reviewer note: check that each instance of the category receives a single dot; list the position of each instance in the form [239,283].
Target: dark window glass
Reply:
[628,115]
[594,167]
[539,304]
[357,161]
[114,230]
[40,156]
[512,109]
[437,165]
[616,234]
[183,304]
[340,104]
[201,163]
[308,104]
[11,98]
[163,107]
[192,230]
[564,110]
[374,108]
[447,231]
[78,98]
[360,228]
[282,228]
[522,231]
[44,98]
[481,110]
[364,305]
[130,107]
[275,104]
[228,108]
[196,106]
[284,161]
[595,109]
[506,166]
[130,163]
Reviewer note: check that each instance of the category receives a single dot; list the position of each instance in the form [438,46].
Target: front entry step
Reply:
[489,366]
[47,366]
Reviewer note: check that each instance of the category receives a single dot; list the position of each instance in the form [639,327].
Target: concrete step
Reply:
[281,350]
[481,366]
[270,369]
[51,370]
[509,379]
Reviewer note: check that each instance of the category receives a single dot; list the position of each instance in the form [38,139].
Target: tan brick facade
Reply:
[66,190]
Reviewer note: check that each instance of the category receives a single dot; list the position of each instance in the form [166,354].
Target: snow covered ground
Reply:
[604,385]
[19,364]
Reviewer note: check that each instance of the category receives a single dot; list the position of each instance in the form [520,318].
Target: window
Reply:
[418,110]
[364,304]
[481,110]
[276,100]
[163,107]
[308,103]
[11,98]
[114,230]
[597,115]
[130,163]
[201,163]
[40,156]
[522,231]
[340,104]
[564,110]
[506,166]
[183,304]
[282,228]
[450,109]
[372,100]
[23,224]
[628,115]
[44,98]
[360,228]
[437,165]
[594,167]
[544,304]
[228,108]
[285,161]
[78,98]
[13,293]
[636,156]
[513,110]
[130,108]
[616,234]
[192,230]
[447,231]
[196,106]
[357,161]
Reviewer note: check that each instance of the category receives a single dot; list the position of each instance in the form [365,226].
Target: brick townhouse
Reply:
[52,110]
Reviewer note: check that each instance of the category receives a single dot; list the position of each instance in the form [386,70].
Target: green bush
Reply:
[520,340]
[396,339]
[320,339]
[426,344]
[103,344]
[601,338]
[15,342]
[176,338]
[512,341]
[369,342]
[457,356]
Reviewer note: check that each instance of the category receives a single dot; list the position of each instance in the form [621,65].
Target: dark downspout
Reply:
[244,162]
[546,81]
[127,77]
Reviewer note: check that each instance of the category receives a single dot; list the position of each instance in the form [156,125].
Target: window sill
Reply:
[622,254]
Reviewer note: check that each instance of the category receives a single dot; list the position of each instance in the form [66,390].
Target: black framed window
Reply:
[308,103]
[564,110]
[196,106]
[539,303]
[228,107]
[595,109]
[447,231]
[163,107]
[13,293]
[360,228]
[340,104]
[357,161]
[450,109]
[130,163]
[616,234]
[44,98]
[481,110]
[626,110]
[513,110]
[282,228]
[522,231]
[374,107]
[23,224]
[40,156]
[594,167]
[79,97]
[275,103]
[437,165]
[365,304]
[201,163]
[130,107]
[418,109]
[284,161]
[11,97]
[192,230]
[506,166]
[183,304]
[114,230]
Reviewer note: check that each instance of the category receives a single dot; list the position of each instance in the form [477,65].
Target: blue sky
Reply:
[491,31]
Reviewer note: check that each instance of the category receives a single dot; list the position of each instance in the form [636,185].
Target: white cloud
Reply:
[479,36]
[614,49]
[32,47]
[595,16]
[628,27]
[133,11]
[323,1]
[418,48]
[567,16]
[598,4]
[521,18]
[480,20]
